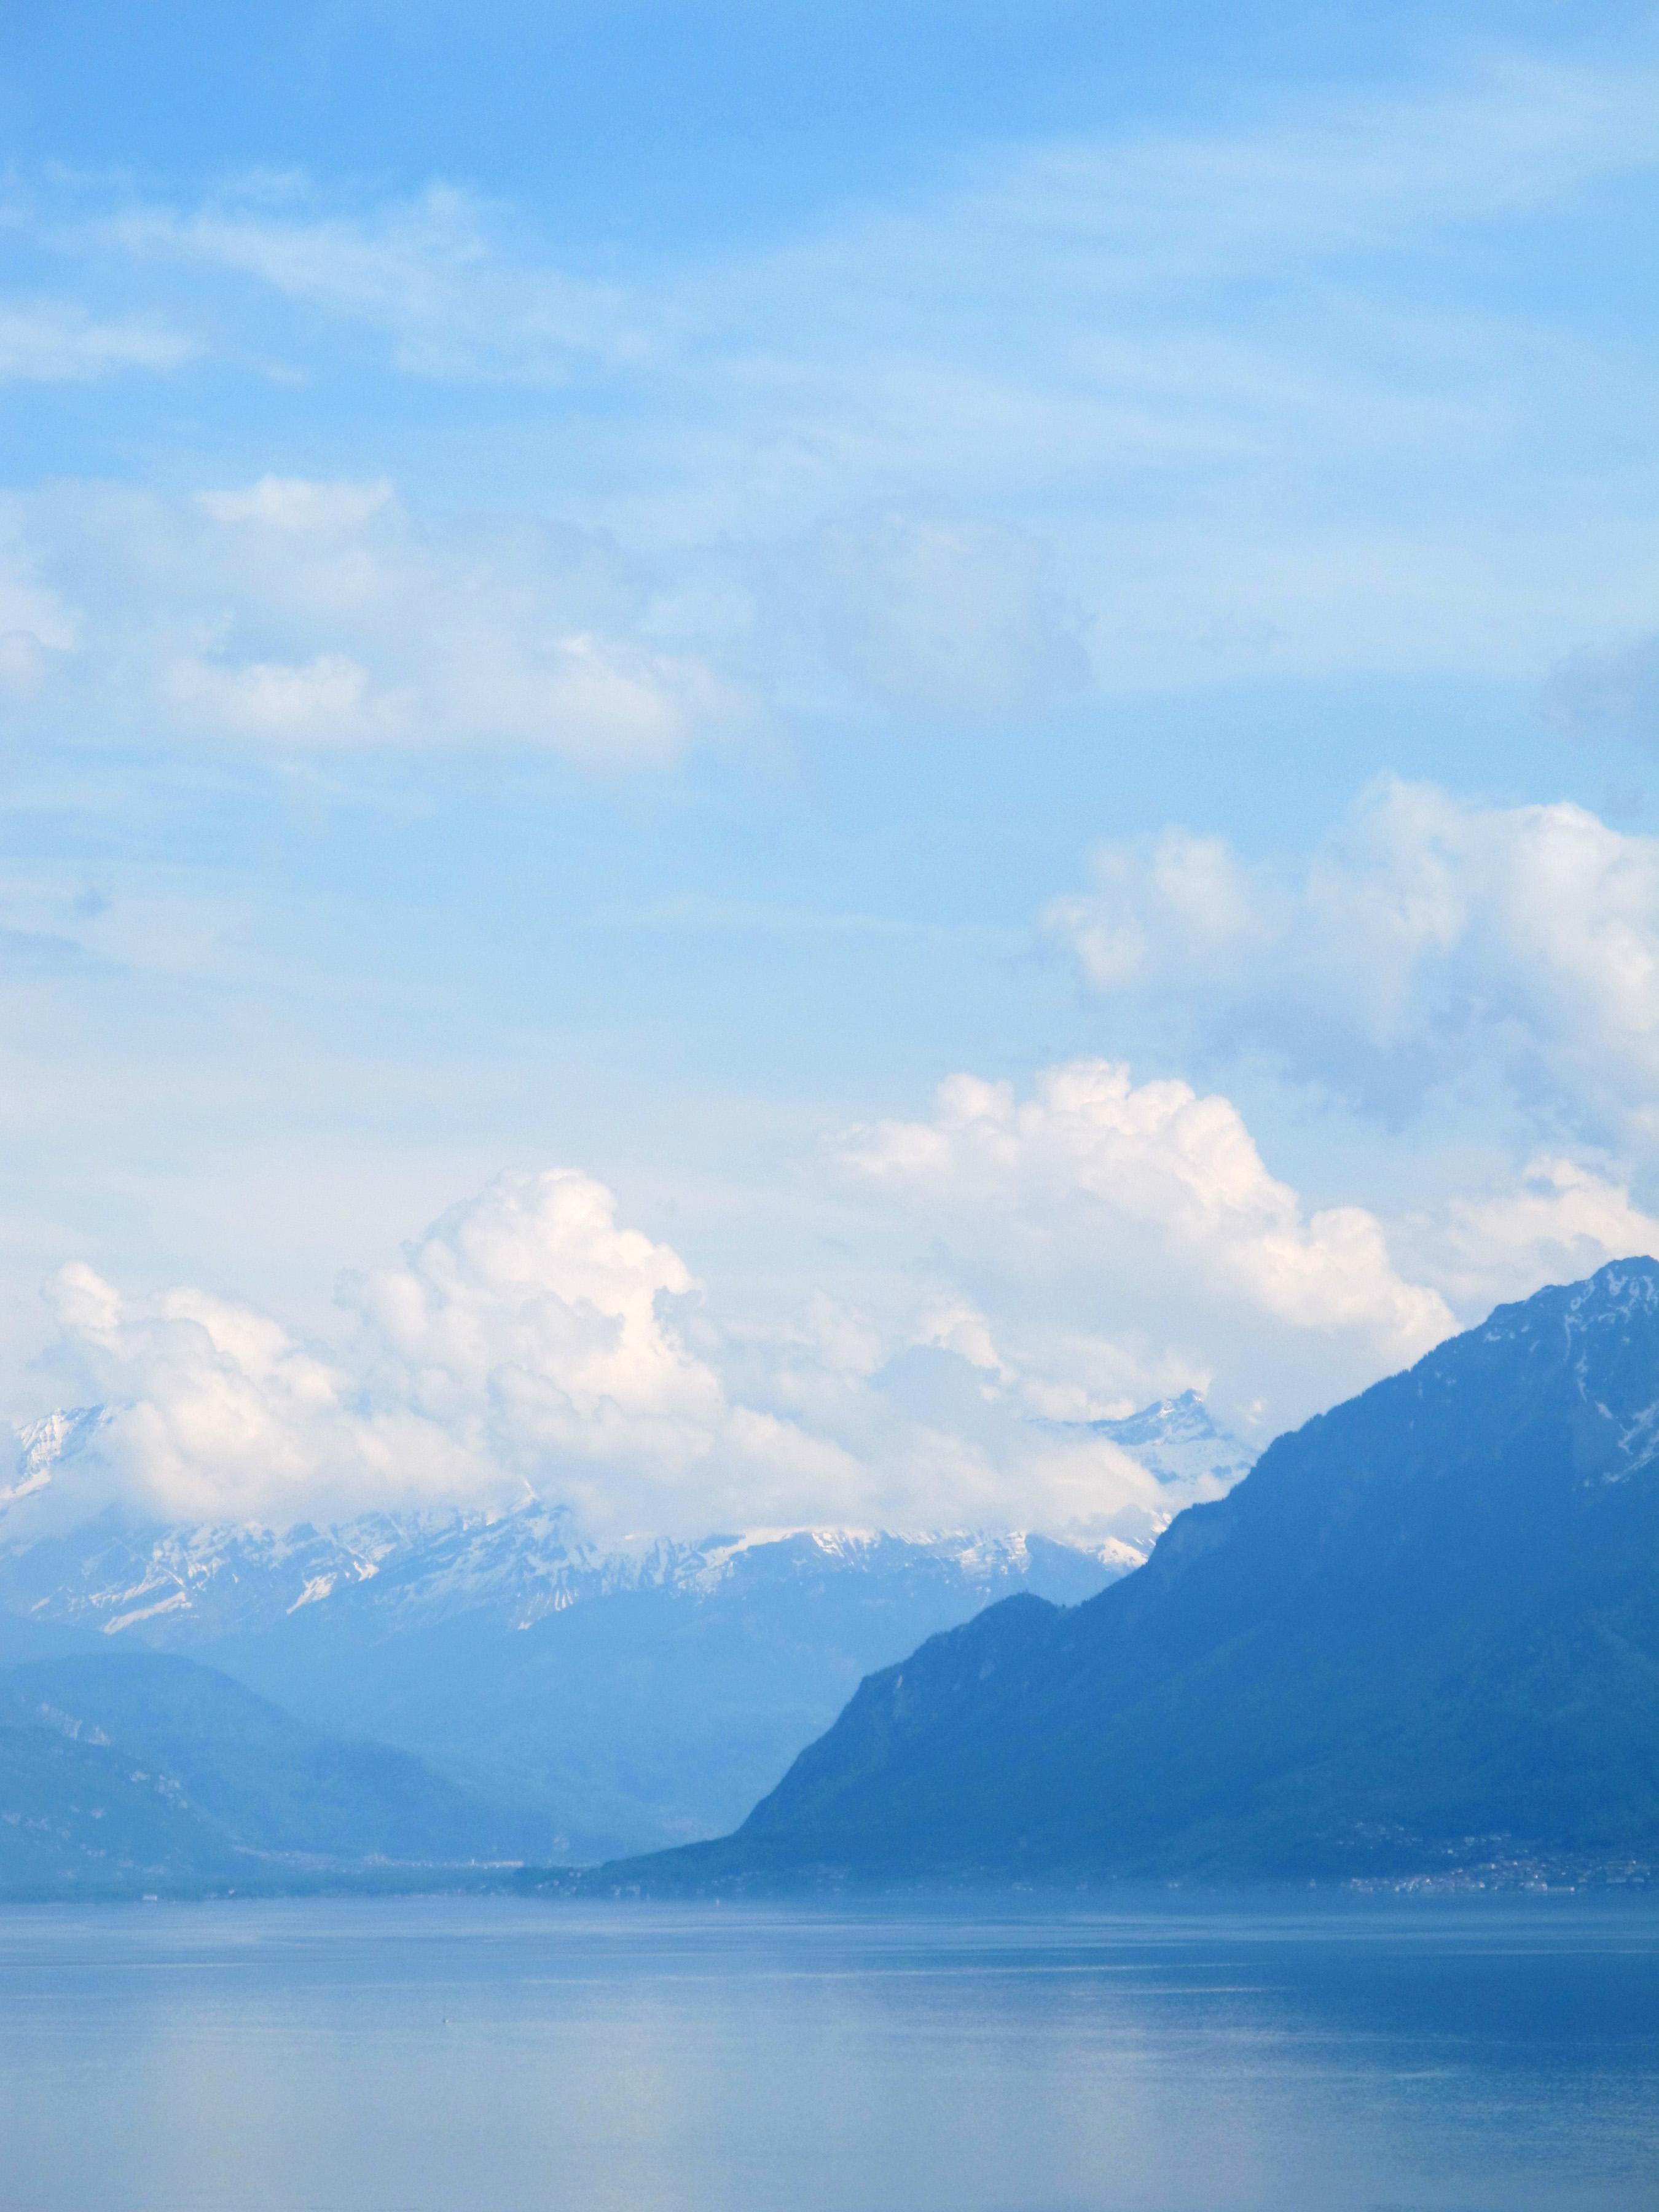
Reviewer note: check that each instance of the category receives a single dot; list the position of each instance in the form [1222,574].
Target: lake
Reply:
[431,2054]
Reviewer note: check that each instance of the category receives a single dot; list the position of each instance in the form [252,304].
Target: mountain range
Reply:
[1419,1641]
[581,1702]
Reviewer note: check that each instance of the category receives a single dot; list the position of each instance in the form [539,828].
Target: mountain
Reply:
[651,1705]
[1176,1441]
[1421,1638]
[634,1698]
[85,1818]
[185,1587]
[118,1767]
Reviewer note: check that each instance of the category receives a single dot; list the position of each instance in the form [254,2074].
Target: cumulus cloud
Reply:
[1136,1242]
[525,1342]
[1078,1251]
[528,1320]
[297,615]
[217,1412]
[529,1341]
[1431,942]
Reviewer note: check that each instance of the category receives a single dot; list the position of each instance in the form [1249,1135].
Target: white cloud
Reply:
[528,1316]
[218,1413]
[1556,1221]
[430,270]
[58,342]
[1130,1239]
[521,1341]
[298,615]
[527,1339]
[1229,391]
[1078,1252]
[1431,942]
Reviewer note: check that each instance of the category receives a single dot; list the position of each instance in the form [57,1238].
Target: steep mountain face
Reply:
[634,1698]
[1422,1634]
[119,1768]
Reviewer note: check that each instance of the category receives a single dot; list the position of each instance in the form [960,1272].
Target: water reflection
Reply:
[436,2054]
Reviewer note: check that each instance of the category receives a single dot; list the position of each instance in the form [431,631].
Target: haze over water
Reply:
[405,2055]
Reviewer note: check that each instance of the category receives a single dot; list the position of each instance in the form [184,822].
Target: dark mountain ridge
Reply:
[1422,1634]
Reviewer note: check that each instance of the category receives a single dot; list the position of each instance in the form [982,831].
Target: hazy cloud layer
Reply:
[1612,690]
[55,341]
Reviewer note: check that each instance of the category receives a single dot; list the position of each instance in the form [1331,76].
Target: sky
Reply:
[752,754]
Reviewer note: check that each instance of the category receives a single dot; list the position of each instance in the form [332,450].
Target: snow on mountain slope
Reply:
[180,1588]
[44,1444]
[1176,1441]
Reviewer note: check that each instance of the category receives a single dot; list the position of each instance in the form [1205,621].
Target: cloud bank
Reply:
[1077,1251]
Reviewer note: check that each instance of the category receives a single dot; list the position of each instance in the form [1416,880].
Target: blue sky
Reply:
[629,590]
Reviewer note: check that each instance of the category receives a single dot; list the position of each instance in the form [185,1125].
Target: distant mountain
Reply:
[85,1818]
[1422,1636]
[1176,1441]
[185,1587]
[633,1697]
[119,1768]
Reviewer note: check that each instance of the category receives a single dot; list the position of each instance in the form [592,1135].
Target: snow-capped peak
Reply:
[1178,1442]
[43,1445]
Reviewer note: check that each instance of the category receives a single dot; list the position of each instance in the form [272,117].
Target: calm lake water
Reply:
[438,2054]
